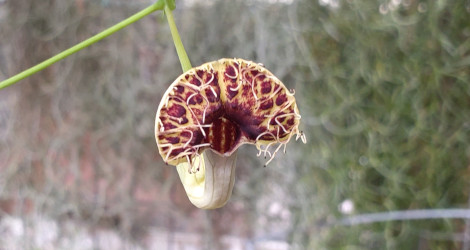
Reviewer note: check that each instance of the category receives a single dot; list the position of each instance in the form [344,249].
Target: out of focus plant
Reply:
[391,98]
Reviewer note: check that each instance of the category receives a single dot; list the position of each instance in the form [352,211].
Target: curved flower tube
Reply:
[210,111]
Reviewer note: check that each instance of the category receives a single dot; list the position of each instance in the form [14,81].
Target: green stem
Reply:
[184,60]
[154,7]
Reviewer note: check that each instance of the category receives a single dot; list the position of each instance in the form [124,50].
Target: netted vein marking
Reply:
[246,73]
[232,77]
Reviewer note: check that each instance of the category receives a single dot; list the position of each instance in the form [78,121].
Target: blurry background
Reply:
[383,88]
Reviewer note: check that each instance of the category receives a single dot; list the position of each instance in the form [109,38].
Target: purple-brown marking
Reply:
[266,105]
[281,99]
[265,87]
[252,109]
[176,110]
[173,140]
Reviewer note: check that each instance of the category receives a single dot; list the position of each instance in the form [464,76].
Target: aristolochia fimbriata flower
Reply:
[210,111]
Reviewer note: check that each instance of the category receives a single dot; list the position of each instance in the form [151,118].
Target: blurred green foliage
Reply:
[392,118]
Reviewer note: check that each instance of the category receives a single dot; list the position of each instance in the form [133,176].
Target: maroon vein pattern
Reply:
[221,105]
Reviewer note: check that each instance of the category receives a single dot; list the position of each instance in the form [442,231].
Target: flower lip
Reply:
[221,105]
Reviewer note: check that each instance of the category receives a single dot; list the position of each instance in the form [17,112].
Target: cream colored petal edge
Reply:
[211,186]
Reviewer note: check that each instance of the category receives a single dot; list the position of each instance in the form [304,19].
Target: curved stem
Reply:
[184,60]
[152,8]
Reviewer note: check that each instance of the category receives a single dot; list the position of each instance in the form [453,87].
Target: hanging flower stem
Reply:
[183,57]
